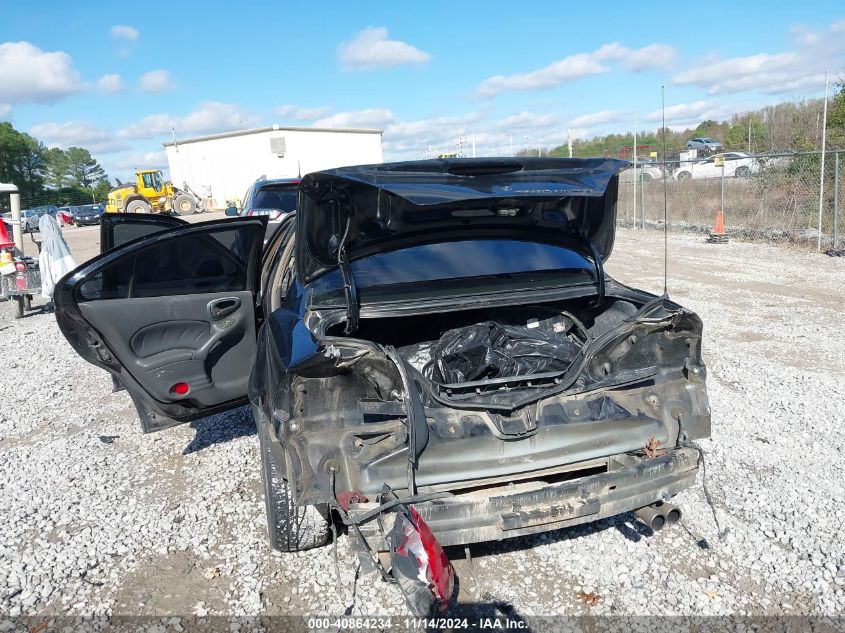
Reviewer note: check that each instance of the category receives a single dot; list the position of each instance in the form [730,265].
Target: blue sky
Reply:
[116,79]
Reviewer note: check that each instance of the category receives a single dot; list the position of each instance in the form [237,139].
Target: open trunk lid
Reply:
[350,213]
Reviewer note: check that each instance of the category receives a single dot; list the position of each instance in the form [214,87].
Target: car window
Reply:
[216,260]
[443,268]
[282,198]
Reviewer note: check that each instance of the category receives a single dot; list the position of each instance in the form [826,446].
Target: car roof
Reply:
[276,181]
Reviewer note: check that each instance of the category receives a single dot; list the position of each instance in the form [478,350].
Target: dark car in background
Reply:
[87,214]
[273,198]
[431,345]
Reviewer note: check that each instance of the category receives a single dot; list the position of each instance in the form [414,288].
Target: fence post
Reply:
[642,196]
[835,200]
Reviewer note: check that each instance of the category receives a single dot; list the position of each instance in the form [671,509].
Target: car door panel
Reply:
[183,347]
[171,316]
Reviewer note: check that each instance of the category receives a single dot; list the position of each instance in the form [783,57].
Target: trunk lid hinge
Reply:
[350,290]
[600,285]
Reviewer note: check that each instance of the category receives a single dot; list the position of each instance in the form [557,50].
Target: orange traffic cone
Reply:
[718,235]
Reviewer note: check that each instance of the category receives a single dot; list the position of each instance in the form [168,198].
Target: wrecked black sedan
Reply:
[435,339]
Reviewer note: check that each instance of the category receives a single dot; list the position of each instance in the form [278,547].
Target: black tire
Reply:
[28,302]
[742,172]
[184,204]
[684,175]
[138,206]
[291,528]
[647,178]
[19,313]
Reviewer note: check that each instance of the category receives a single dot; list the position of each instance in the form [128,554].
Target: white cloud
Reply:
[653,56]
[132,161]
[602,117]
[686,113]
[108,84]
[5,110]
[30,75]
[77,134]
[155,81]
[297,113]
[579,65]
[527,121]
[368,118]
[208,118]
[794,70]
[371,49]
[124,32]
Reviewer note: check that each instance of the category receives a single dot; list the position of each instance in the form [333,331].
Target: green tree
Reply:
[101,190]
[82,168]
[57,168]
[22,160]
[836,118]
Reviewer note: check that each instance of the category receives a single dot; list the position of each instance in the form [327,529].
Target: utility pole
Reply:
[836,201]
[749,134]
[569,141]
[473,145]
[821,176]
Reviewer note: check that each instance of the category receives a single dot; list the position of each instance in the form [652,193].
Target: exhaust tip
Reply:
[653,518]
[673,513]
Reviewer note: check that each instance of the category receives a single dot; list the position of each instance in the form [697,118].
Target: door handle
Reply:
[221,308]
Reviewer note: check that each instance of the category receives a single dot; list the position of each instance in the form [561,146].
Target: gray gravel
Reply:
[99,519]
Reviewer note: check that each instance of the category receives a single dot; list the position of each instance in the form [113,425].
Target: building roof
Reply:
[271,128]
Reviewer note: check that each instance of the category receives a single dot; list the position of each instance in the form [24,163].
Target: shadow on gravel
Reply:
[221,428]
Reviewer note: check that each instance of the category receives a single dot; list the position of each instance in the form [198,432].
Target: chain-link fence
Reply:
[59,198]
[765,196]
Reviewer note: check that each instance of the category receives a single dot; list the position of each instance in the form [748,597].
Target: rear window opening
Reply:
[447,268]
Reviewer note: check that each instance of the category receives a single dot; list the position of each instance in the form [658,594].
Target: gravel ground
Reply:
[100,519]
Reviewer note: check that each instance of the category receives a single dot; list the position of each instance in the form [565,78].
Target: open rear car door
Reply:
[170,314]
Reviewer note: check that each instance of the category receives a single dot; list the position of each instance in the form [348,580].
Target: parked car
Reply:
[29,220]
[439,337]
[273,198]
[705,144]
[737,165]
[646,170]
[87,214]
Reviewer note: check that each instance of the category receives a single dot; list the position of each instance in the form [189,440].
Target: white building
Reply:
[223,166]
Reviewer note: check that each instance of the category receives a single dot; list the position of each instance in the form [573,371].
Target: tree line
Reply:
[49,175]
[777,128]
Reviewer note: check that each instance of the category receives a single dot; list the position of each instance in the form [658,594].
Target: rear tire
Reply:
[291,527]
[184,204]
[138,206]
[742,172]
[19,313]
[684,175]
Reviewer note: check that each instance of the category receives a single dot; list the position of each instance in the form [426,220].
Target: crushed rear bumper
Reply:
[500,512]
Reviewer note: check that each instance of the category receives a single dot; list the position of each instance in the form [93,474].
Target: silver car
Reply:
[705,143]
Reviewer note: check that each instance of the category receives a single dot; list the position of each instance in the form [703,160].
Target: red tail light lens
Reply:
[420,565]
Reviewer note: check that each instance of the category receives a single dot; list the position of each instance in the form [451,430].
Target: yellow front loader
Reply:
[150,194]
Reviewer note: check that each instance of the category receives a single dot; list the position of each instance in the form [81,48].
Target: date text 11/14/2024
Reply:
[352,623]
